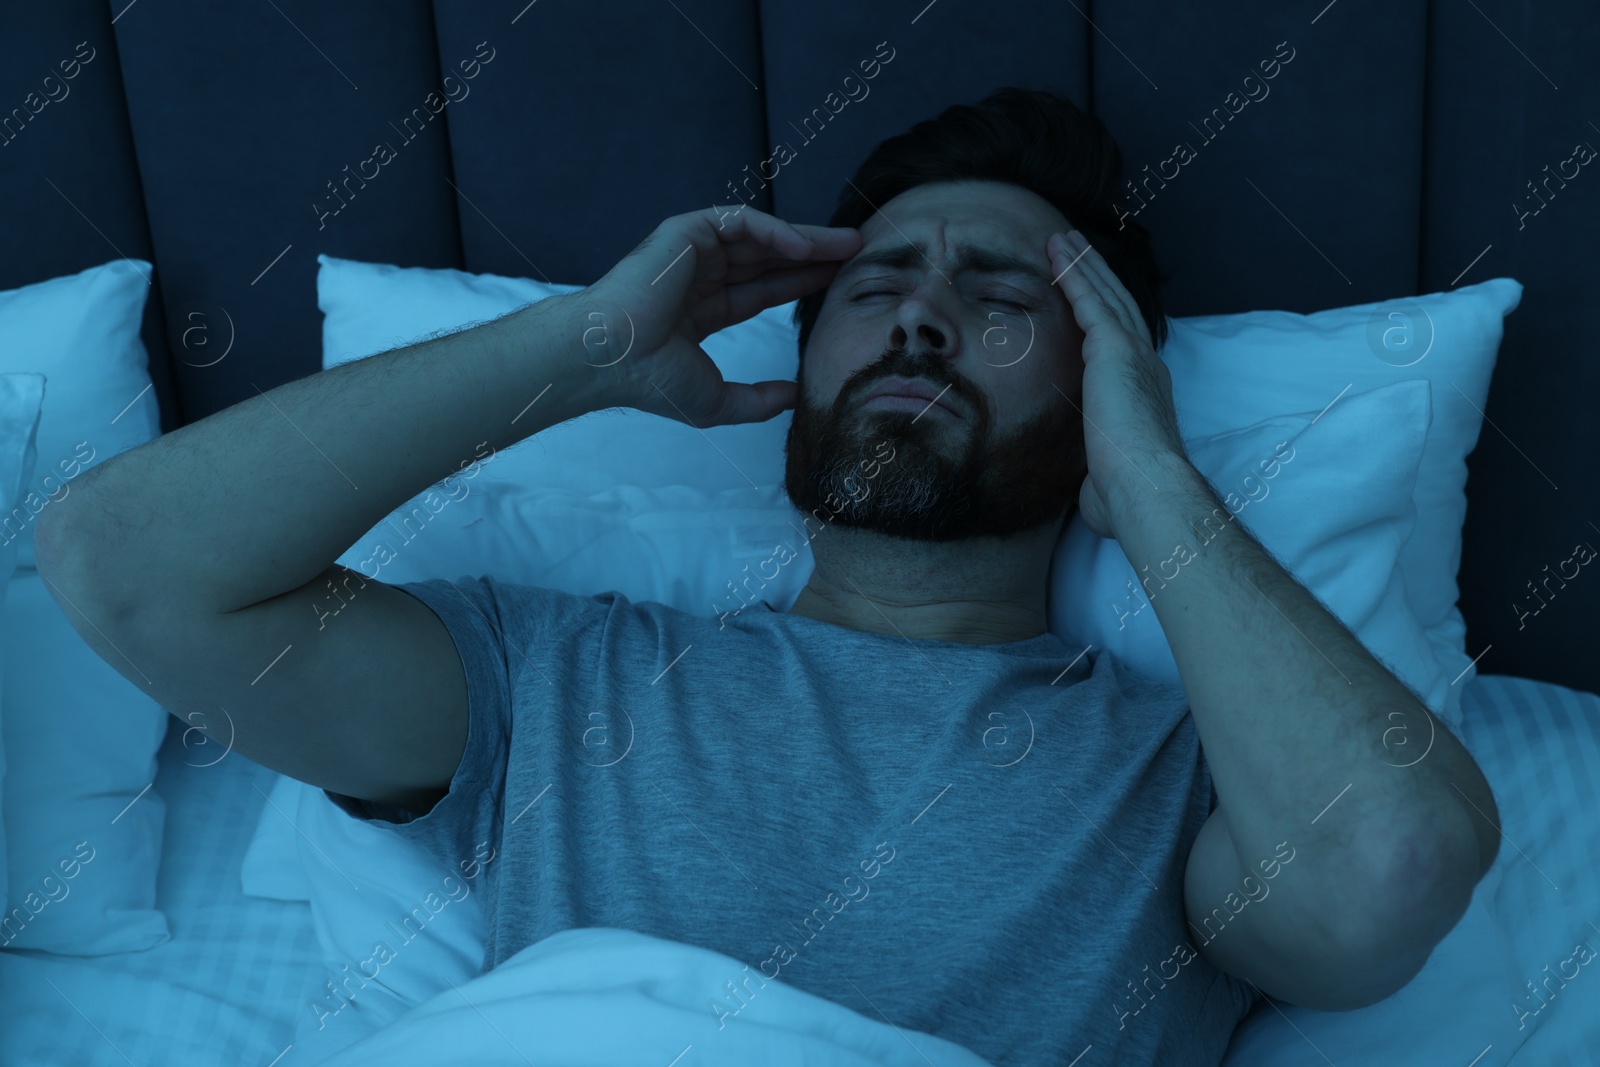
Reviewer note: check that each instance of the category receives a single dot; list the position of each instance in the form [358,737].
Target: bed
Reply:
[196,209]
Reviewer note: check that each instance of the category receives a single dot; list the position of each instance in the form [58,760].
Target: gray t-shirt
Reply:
[972,840]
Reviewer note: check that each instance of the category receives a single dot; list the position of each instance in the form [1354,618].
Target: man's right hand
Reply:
[698,273]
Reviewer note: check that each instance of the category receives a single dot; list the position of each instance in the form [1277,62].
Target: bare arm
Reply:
[1296,718]
[1320,756]
[260,498]
[198,564]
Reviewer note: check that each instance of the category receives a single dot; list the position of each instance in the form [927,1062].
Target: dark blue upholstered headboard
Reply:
[1388,159]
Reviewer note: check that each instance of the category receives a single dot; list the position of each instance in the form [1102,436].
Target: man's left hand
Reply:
[1130,428]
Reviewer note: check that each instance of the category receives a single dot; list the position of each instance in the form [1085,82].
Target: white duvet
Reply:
[606,996]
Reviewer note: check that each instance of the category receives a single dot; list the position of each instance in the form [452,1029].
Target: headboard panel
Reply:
[70,194]
[952,53]
[246,121]
[1381,158]
[1513,89]
[1305,198]
[595,122]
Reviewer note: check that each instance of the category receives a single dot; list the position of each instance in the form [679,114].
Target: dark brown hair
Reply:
[1029,137]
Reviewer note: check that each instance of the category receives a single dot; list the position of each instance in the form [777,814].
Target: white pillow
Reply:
[80,739]
[1328,494]
[1233,370]
[1343,510]
[81,332]
[82,742]
[678,545]
[373,308]
[21,397]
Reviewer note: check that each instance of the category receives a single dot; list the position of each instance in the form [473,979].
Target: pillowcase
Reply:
[81,332]
[678,545]
[82,743]
[21,396]
[81,740]
[1233,370]
[1328,494]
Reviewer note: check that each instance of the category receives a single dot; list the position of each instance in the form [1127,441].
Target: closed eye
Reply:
[1014,305]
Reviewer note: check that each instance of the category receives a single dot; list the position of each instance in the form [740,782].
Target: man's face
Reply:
[1002,345]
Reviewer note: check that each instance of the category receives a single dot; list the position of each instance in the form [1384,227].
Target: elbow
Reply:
[1402,886]
[1422,884]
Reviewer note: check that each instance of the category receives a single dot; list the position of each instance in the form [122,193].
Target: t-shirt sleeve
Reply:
[474,610]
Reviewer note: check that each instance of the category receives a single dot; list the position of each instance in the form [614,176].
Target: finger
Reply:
[750,233]
[743,271]
[1114,291]
[832,242]
[757,402]
[744,225]
[716,237]
[753,234]
[1085,258]
[1110,288]
[754,268]
[1083,293]
[747,259]
[776,287]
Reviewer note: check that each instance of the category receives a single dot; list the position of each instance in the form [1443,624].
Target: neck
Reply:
[980,591]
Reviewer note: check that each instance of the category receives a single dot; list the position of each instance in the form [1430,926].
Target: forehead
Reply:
[997,214]
[981,226]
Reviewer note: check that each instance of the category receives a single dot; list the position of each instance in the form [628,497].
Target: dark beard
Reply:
[929,477]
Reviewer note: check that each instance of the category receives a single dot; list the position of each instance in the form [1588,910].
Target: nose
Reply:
[922,324]
[930,338]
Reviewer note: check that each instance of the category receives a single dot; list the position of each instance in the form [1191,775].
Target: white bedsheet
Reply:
[598,997]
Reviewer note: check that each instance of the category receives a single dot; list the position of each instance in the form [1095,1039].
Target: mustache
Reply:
[901,363]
